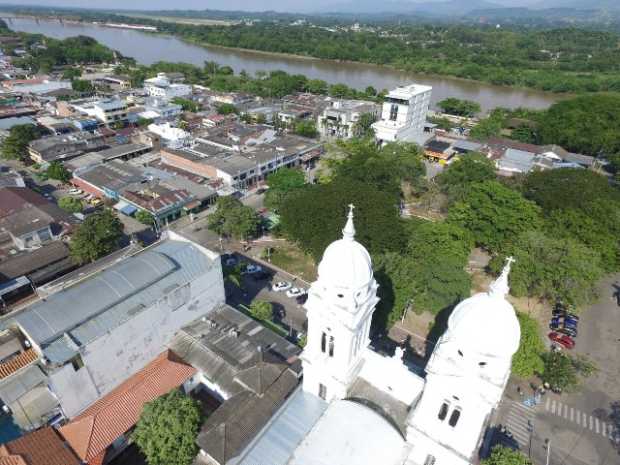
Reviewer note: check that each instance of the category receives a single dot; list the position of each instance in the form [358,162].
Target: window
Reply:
[393,112]
[323,342]
[322,391]
[430,460]
[443,411]
[331,346]
[454,418]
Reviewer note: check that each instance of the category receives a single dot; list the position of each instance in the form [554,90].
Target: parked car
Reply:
[75,191]
[562,339]
[96,202]
[564,321]
[572,332]
[301,299]
[281,286]
[295,292]
[251,269]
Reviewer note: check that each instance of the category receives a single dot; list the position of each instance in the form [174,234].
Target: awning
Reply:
[192,205]
[125,208]
[13,284]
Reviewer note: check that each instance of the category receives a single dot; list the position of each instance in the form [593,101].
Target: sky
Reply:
[247,5]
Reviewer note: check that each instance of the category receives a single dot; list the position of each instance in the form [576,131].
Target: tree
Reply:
[551,268]
[227,109]
[71,73]
[466,170]
[167,429]
[565,373]
[261,310]
[99,235]
[314,216]
[363,126]
[306,128]
[233,219]
[458,107]
[494,214]
[15,146]
[317,86]
[502,455]
[145,217]
[82,86]
[233,275]
[281,183]
[56,170]
[186,104]
[70,204]
[528,360]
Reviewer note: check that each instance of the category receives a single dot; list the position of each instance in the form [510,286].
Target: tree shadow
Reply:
[381,317]
[497,436]
[439,327]
[614,418]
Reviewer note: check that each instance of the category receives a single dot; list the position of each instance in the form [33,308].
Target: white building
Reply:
[404,114]
[162,87]
[358,407]
[107,111]
[340,118]
[171,137]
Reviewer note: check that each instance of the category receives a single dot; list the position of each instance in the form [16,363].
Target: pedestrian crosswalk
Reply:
[580,418]
[519,421]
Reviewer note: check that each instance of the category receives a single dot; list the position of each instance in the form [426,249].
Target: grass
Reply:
[295,261]
[183,20]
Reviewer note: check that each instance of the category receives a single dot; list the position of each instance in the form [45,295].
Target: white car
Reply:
[75,191]
[281,286]
[251,269]
[295,292]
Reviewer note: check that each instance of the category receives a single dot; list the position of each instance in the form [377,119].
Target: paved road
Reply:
[583,427]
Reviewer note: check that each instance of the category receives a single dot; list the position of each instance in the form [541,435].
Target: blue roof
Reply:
[129,210]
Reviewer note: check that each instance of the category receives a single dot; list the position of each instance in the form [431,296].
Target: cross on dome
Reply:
[348,232]
[500,287]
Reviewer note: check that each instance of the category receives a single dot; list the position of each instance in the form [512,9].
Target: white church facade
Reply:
[357,407]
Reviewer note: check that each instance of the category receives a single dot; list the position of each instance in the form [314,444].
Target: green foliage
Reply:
[99,235]
[306,128]
[502,455]
[227,109]
[313,216]
[494,214]
[56,170]
[490,126]
[167,429]
[564,372]
[281,183]
[363,126]
[82,86]
[466,170]
[552,268]
[15,146]
[528,360]
[261,310]
[188,105]
[233,219]
[233,275]
[458,107]
[145,217]
[70,204]
[71,73]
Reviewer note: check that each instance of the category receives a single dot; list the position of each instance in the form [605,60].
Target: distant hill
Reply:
[611,5]
[451,8]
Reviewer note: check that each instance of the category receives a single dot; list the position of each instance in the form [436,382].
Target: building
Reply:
[65,147]
[339,120]
[108,111]
[160,110]
[170,136]
[10,178]
[353,399]
[404,115]
[162,86]
[119,314]
[117,83]
[42,447]
[29,219]
[35,86]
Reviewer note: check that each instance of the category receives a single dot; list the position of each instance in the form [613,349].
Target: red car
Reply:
[562,339]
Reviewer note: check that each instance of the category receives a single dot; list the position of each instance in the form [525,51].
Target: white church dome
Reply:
[486,323]
[346,263]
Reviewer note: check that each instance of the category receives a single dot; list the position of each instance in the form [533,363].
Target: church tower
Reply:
[465,378]
[340,306]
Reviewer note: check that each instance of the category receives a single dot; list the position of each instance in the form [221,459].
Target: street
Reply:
[583,427]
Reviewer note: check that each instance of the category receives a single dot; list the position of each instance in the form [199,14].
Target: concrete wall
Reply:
[200,169]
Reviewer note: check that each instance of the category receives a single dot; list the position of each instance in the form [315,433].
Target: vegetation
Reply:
[458,107]
[187,104]
[15,146]
[467,170]
[57,171]
[281,183]
[565,373]
[233,219]
[99,235]
[82,86]
[261,310]
[167,429]
[145,217]
[502,455]
[70,204]
[306,128]
[528,360]
[227,109]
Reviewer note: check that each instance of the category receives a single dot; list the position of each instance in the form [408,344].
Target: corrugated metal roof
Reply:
[18,385]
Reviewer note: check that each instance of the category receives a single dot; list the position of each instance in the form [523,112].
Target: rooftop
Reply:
[42,447]
[406,92]
[22,210]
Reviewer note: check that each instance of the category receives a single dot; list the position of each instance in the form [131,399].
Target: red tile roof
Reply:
[102,423]
[17,363]
[41,447]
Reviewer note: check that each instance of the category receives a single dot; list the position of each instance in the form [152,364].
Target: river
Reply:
[149,48]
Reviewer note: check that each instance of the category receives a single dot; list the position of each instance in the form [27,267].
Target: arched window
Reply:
[331,346]
[454,418]
[323,342]
[430,460]
[443,411]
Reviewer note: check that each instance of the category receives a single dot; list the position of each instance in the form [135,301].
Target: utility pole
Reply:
[548,442]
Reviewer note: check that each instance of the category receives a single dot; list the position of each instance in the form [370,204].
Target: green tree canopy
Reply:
[363,126]
[15,146]
[57,170]
[186,104]
[281,183]
[468,169]
[81,85]
[145,217]
[502,455]
[494,214]
[458,107]
[565,373]
[227,109]
[306,128]
[167,429]
[528,360]
[261,310]
[70,204]
[99,235]
[233,219]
